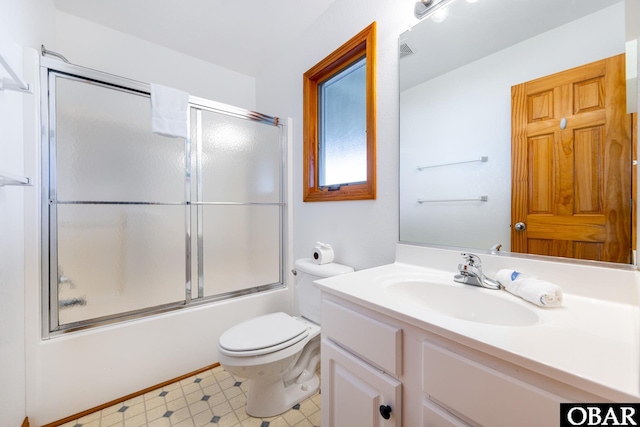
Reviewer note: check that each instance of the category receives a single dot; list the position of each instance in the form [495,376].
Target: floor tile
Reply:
[213,398]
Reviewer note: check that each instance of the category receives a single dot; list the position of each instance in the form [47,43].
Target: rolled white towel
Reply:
[539,292]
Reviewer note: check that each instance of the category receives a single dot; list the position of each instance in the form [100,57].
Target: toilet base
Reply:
[269,397]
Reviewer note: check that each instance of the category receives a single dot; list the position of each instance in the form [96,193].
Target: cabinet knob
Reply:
[385,411]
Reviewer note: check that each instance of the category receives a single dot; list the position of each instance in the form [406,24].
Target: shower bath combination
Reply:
[143,223]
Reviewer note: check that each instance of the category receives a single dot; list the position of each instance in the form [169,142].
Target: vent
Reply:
[405,50]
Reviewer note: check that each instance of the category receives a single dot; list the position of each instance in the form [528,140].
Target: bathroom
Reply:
[48,380]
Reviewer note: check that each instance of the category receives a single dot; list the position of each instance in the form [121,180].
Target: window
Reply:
[339,123]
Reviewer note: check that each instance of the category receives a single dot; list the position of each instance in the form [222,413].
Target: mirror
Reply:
[456,111]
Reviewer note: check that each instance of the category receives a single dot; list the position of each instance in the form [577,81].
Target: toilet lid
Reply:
[264,332]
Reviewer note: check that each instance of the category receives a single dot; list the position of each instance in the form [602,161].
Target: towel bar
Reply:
[477,199]
[15,82]
[482,159]
[8,179]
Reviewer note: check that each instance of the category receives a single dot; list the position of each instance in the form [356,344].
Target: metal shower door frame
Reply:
[49,70]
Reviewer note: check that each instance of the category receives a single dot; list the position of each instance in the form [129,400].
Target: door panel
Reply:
[589,150]
[541,174]
[571,164]
[353,391]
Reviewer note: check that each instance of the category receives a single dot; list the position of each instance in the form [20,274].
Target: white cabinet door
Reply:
[435,416]
[356,394]
[484,395]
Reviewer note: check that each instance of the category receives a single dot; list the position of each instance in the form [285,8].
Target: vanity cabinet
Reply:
[361,364]
[371,360]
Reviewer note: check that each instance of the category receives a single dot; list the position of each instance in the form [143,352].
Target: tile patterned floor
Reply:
[213,398]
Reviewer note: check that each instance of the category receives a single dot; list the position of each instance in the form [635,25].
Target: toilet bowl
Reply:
[278,353]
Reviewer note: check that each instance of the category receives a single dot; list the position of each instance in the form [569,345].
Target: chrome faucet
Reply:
[471,273]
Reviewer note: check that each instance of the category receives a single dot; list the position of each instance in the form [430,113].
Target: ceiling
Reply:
[238,35]
[473,31]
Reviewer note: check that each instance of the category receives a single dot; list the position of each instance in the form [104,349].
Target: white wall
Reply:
[95,46]
[12,367]
[363,233]
[15,33]
[465,114]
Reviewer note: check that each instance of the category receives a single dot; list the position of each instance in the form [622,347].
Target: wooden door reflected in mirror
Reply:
[571,164]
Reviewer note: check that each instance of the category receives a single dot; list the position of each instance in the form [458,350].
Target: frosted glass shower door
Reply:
[135,223]
[117,203]
[241,210]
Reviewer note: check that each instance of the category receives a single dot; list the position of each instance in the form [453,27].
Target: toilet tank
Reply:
[306,293]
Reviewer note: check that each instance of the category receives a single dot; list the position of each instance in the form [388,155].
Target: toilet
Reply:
[278,353]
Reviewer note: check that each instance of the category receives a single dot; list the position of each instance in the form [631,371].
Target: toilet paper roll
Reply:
[323,253]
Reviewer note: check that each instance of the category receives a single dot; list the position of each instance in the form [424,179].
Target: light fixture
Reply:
[424,8]
[440,14]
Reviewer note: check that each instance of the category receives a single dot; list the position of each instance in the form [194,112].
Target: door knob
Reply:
[385,411]
[521,226]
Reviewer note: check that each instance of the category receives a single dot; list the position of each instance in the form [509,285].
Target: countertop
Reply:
[588,342]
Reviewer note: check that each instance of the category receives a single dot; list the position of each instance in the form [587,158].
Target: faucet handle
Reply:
[472,260]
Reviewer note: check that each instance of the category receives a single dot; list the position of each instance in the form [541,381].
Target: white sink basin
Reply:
[463,302]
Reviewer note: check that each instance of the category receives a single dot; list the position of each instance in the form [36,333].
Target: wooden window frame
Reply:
[361,45]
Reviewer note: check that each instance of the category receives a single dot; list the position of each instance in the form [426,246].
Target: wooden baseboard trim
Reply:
[123,399]
[25,423]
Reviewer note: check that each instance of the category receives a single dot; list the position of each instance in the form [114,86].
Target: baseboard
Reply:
[123,399]
[25,423]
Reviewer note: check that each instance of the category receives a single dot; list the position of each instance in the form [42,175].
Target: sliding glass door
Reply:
[239,203]
[136,223]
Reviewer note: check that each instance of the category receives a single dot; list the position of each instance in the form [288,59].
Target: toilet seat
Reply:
[262,335]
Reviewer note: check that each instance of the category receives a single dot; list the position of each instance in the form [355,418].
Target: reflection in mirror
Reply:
[456,133]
